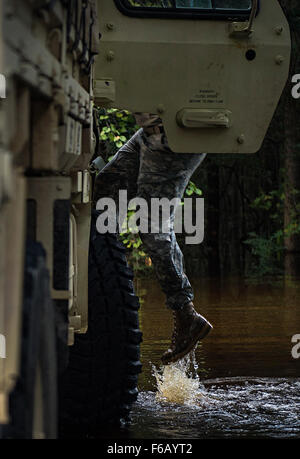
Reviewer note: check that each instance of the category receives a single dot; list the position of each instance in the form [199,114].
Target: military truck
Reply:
[212,70]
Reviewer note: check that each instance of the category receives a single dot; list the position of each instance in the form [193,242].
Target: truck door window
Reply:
[185,8]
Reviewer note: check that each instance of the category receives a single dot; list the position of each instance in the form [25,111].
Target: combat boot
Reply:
[189,328]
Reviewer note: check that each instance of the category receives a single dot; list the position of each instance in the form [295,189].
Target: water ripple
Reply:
[230,407]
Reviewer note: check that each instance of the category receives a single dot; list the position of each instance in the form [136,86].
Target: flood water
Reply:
[243,381]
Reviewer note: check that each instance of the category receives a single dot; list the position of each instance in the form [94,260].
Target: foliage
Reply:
[116,127]
[268,249]
[268,253]
[137,258]
[192,189]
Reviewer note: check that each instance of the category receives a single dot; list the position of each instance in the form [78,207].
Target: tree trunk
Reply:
[213,215]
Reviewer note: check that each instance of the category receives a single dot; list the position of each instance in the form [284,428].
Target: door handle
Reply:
[244,29]
[204,118]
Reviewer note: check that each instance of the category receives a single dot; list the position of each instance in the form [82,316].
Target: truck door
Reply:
[213,70]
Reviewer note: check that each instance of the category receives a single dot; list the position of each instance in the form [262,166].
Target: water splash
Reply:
[179,383]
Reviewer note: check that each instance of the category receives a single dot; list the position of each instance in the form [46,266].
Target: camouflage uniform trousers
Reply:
[147,168]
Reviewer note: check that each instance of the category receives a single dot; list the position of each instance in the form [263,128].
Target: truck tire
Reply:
[100,384]
[33,402]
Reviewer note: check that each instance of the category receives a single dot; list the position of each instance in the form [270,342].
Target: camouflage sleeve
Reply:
[147,120]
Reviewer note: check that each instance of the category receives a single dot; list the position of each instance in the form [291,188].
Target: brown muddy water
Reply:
[242,381]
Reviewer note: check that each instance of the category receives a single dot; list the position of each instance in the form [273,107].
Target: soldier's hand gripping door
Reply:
[213,70]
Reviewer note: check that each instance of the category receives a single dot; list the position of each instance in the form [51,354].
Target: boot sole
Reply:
[206,328]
